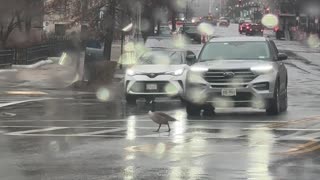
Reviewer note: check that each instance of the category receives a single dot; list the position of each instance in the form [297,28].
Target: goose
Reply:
[160,118]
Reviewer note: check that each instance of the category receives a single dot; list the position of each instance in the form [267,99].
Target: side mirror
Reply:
[282,56]
[191,58]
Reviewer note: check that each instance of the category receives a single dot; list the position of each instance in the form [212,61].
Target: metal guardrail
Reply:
[6,57]
[32,54]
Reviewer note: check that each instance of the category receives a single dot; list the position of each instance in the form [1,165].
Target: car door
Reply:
[282,68]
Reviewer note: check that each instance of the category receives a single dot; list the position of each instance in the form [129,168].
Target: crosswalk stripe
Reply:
[35,130]
[103,131]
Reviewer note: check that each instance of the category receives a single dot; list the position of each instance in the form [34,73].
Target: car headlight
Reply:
[199,69]
[262,69]
[130,72]
[176,72]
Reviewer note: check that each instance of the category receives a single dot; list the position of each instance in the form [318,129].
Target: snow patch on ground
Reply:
[33,66]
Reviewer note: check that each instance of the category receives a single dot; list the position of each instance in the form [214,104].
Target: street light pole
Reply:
[220,8]
[210,6]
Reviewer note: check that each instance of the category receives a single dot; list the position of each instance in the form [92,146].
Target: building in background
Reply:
[29,27]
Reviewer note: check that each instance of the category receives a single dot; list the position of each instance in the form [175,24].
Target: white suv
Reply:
[238,72]
[159,72]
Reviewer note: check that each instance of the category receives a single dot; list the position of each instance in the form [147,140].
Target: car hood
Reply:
[156,68]
[233,64]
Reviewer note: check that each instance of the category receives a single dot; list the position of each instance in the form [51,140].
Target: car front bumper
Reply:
[251,94]
[164,85]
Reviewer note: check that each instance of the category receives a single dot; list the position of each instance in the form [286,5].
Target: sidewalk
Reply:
[309,54]
[47,76]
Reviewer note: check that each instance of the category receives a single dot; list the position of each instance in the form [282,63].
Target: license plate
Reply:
[151,87]
[229,92]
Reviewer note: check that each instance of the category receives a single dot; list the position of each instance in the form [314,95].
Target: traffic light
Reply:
[240,2]
[217,9]
[267,10]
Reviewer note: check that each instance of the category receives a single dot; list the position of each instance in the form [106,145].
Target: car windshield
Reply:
[158,42]
[161,57]
[165,30]
[235,51]
[190,29]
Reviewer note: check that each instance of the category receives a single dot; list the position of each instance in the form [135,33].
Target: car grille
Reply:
[229,76]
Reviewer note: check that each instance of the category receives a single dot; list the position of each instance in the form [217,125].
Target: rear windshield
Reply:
[161,57]
[235,51]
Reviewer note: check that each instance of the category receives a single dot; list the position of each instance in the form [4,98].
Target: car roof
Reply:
[166,49]
[238,39]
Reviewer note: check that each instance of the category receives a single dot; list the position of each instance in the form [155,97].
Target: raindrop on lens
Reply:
[103,94]
[270,20]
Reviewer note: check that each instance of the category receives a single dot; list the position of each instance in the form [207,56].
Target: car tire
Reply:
[208,110]
[274,104]
[131,99]
[182,100]
[284,100]
[193,109]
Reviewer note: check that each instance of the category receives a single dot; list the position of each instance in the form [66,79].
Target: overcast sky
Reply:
[201,7]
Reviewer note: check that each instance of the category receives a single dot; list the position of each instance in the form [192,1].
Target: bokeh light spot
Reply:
[222,102]
[180,41]
[313,41]
[205,28]
[171,89]
[270,20]
[103,94]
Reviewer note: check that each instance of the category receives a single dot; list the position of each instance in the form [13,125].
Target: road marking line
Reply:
[102,132]
[281,124]
[125,120]
[152,127]
[302,146]
[305,150]
[24,101]
[17,133]
[26,93]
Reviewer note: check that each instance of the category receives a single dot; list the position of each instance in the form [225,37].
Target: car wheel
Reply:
[209,110]
[278,35]
[274,104]
[193,109]
[284,98]
[131,99]
[182,100]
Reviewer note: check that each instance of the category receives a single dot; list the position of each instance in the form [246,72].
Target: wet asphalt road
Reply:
[75,136]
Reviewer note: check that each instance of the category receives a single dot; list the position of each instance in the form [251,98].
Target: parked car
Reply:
[191,32]
[254,30]
[243,25]
[94,50]
[238,72]
[224,23]
[159,72]
[165,31]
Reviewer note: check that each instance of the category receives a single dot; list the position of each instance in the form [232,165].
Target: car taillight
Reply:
[250,29]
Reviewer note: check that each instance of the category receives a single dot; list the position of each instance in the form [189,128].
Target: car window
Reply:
[93,44]
[161,57]
[274,46]
[154,42]
[190,29]
[235,51]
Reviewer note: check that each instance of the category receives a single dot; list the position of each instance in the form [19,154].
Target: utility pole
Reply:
[220,8]
[210,6]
